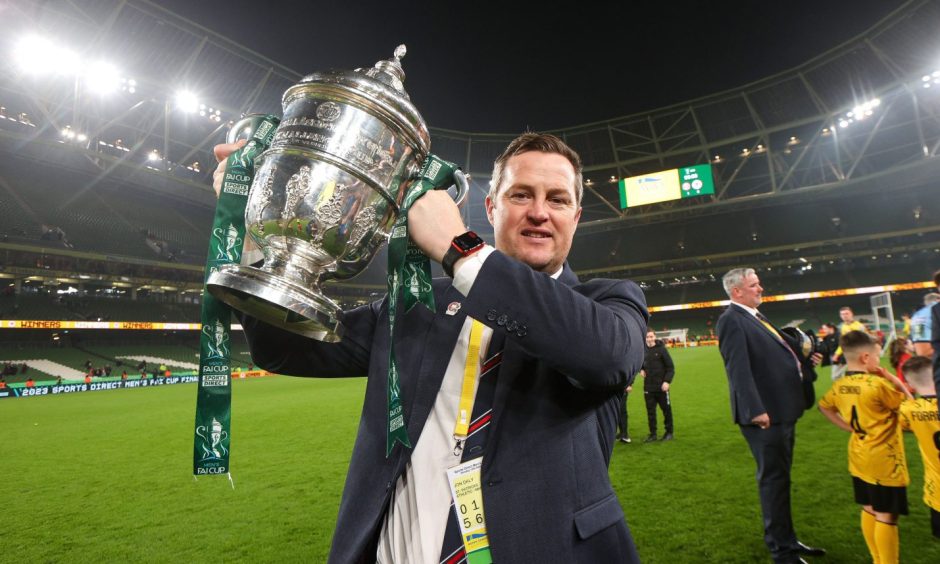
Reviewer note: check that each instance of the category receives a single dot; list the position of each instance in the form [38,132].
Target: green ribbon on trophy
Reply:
[214,397]
[409,269]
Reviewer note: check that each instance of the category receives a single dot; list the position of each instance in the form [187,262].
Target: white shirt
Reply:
[748,309]
[413,530]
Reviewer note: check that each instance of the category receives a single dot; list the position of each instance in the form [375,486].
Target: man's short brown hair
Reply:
[918,370]
[853,341]
[544,143]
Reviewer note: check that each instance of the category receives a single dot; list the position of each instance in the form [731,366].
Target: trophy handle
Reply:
[461,185]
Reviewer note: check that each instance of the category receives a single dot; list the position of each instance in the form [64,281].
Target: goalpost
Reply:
[677,336]
[883,312]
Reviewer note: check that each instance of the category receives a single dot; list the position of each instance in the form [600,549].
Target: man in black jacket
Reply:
[658,371]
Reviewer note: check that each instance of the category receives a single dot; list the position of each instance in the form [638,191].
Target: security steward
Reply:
[658,372]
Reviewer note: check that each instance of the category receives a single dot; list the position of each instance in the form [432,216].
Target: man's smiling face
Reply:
[535,211]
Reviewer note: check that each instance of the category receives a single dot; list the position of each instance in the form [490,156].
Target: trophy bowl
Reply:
[325,195]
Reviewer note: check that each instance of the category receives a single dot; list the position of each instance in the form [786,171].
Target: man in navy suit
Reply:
[765,378]
[555,355]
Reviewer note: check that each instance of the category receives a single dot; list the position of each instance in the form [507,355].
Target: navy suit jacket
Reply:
[571,349]
[763,376]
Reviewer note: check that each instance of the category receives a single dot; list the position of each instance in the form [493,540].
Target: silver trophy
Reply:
[326,193]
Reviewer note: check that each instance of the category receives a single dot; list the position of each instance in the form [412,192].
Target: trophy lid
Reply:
[390,71]
[380,88]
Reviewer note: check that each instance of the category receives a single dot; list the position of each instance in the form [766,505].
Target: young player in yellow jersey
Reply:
[920,416]
[865,403]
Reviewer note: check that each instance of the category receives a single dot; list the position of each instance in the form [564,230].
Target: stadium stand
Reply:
[106,218]
[811,203]
[34,306]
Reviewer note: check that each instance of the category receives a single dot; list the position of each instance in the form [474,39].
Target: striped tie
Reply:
[452,549]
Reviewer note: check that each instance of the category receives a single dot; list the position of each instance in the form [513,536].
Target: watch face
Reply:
[467,242]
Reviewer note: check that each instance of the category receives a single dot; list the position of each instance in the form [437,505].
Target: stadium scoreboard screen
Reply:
[674,184]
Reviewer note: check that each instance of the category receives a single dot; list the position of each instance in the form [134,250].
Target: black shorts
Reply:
[935,522]
[883,499]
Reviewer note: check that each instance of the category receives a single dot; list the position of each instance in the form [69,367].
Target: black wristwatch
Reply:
[462,246]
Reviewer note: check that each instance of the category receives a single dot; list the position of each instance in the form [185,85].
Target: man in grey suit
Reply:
[765,379]
[554,356]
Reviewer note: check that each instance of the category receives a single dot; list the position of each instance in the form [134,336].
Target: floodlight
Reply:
[33,53]
[37,55]
[153,155]
[187,101]
[129,85]
[101,77]
[81,137]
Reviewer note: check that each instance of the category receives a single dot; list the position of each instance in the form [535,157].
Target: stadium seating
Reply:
[124,309]
[102,217]
[42,358]
[35,306]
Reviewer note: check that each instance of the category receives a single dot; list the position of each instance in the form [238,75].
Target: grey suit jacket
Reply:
[569,351]
[763,376]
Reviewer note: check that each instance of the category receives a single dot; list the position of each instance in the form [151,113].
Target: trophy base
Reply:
[278,302]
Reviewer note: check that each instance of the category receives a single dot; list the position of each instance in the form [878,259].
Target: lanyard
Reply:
[471,371]
[409,274]
[212,440]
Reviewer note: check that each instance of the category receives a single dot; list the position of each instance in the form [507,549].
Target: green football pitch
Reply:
[106,476]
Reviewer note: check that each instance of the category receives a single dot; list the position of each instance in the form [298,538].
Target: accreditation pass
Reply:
[466,488]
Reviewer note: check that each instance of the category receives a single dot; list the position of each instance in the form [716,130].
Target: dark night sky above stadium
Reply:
[505,66]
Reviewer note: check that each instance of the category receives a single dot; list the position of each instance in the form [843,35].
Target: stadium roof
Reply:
[766,96]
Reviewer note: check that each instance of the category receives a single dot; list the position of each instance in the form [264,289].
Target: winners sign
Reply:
[674,184]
